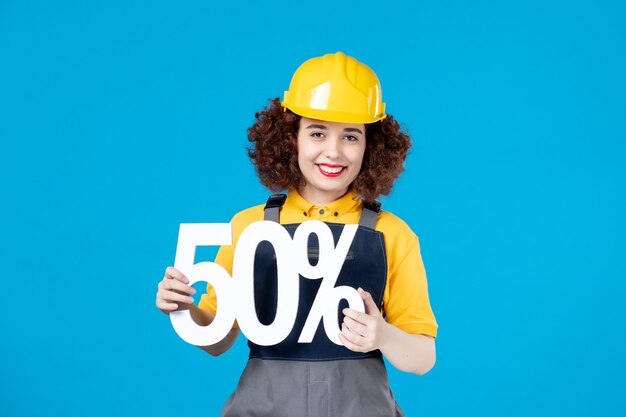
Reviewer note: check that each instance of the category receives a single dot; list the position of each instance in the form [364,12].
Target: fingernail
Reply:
[344,311]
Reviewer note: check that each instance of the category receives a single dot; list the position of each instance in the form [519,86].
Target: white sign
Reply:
[236,295]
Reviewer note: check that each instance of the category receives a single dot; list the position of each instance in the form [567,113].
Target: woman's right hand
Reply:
[174,295]
[174,291]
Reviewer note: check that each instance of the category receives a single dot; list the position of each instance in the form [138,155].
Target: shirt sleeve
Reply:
[406,304]
[225,254]
[224,258]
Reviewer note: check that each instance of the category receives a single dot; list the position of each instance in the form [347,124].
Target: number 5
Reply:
[190,236]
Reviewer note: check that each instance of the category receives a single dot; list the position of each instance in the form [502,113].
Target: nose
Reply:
[333,148]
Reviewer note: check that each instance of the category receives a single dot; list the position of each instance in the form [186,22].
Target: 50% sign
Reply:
[236,294]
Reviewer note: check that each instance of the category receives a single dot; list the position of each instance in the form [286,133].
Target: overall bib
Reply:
[317,379]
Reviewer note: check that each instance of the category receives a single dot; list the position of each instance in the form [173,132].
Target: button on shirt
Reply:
[329,213]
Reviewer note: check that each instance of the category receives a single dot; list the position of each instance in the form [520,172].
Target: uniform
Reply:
[321,378]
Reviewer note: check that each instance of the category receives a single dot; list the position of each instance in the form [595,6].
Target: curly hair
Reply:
[274,152]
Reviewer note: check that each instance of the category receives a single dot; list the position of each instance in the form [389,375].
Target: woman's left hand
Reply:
[363,332]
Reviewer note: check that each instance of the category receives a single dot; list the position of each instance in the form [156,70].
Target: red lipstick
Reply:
[330,170]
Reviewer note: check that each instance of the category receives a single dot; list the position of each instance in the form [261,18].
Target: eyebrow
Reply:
[347,129]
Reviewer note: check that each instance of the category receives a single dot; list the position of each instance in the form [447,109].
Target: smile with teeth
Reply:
[331,170]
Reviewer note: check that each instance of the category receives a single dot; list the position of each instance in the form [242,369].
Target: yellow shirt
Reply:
[405,300]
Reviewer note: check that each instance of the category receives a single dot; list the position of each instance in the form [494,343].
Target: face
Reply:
[330,155]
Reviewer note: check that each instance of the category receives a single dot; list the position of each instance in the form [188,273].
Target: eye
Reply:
[317,135]
[351,138]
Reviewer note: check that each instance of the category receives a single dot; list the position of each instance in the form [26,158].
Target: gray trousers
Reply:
[281,388]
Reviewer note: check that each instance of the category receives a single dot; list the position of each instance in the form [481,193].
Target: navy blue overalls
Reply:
[318,379]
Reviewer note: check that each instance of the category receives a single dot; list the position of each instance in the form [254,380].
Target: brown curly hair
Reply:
[274,152]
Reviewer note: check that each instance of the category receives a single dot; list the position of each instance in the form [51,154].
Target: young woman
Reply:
[331,145]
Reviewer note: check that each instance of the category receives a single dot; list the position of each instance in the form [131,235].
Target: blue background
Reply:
[120,120]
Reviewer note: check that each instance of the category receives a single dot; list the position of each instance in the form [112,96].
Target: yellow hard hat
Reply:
[335,88]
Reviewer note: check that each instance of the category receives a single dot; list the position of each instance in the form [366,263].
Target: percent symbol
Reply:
[328,267]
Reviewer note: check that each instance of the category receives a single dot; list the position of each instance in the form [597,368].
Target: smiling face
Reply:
[330,155]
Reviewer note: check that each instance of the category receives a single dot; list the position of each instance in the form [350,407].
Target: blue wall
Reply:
[120,120]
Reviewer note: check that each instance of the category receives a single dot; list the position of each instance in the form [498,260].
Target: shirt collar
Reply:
[348,202]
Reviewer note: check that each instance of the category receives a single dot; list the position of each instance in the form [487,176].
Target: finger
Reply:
[355,338]
[171,272]
[164,305]
[348,344]
[355,315]
[370,305]
[174,296]
[175,285]
[355,326]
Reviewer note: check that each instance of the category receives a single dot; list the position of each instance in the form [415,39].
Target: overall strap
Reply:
[272,207]
[369,214]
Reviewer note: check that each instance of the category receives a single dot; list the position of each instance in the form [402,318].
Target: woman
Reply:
[331,145]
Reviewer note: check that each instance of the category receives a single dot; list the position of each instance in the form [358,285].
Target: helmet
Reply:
[335,88]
